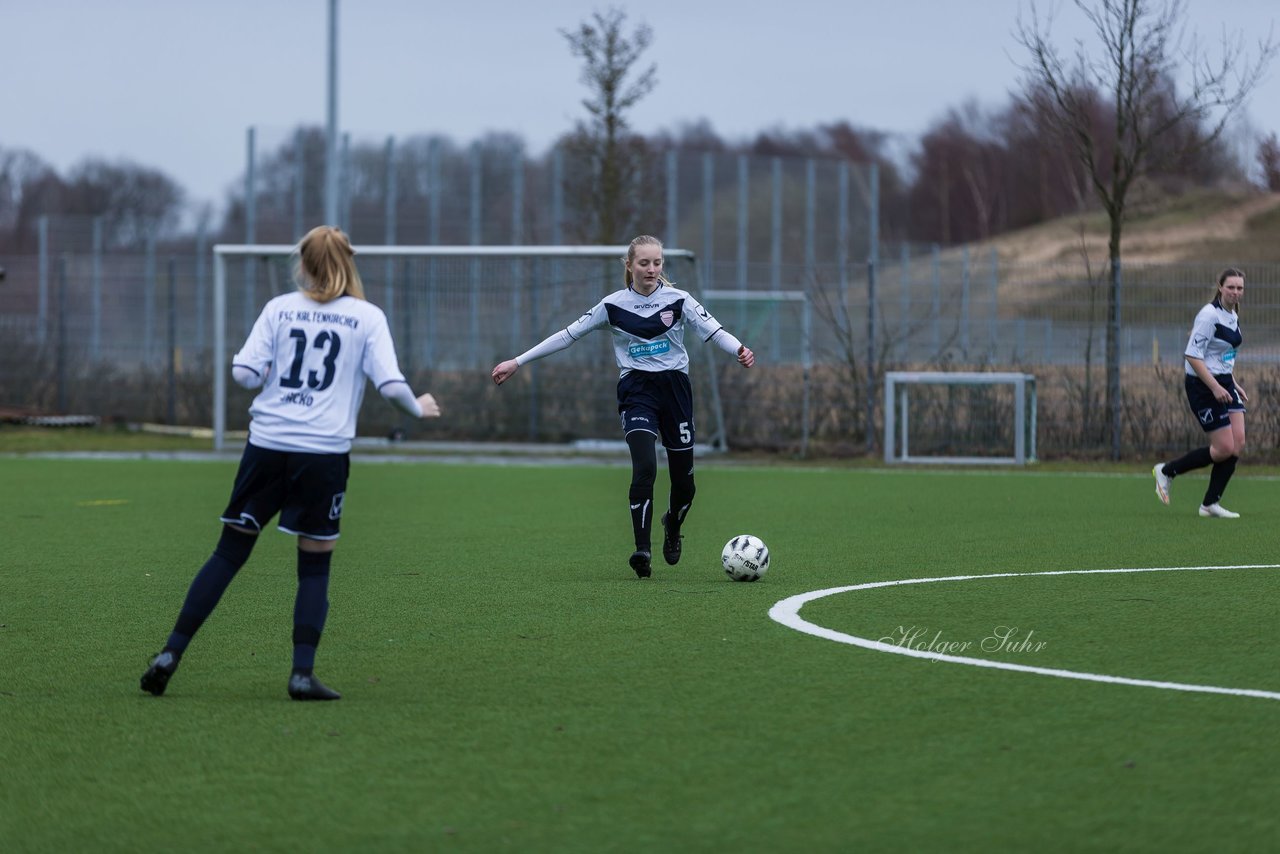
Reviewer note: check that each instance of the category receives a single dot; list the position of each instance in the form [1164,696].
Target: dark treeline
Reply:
[976,172]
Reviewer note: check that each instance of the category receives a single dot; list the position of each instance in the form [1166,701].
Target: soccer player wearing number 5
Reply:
[648,319]
[310,352]
[1216,399]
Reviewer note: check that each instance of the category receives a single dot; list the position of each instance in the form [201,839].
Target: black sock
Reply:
[1218,477]
[231,553]
[680,467]
[1197,459]
[310,607]
[644,468]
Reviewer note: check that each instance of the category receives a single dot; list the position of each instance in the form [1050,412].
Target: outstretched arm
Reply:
[552,344]
[399,395]
[726,341]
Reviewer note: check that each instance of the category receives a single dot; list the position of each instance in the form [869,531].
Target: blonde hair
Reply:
[326,267]
[642,240]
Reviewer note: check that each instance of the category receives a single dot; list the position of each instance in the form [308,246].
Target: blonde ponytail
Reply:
[326,266]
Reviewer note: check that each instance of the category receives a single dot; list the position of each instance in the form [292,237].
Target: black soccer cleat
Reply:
[640,563]
[303,687]
[156,679]
[671,542]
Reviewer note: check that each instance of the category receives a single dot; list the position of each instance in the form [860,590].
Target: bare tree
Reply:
[614,157]
[1142,50]
[1269,161]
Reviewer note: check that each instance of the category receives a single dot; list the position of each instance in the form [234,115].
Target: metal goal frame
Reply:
[896,430]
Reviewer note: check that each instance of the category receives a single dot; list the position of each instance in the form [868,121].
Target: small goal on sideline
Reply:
[986,414]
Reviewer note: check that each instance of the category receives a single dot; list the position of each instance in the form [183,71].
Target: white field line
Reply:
[787,612]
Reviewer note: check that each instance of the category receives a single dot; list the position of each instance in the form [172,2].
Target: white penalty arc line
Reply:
[787,612]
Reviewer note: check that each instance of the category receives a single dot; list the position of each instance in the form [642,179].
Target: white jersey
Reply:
[648,331]
[1215,338]
[315,358]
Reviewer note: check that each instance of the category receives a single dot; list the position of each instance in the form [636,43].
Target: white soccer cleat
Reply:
[1217,511]
[1162,482]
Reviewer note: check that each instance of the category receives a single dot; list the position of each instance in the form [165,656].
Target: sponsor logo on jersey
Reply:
[652,348]
[667,317]
[644,305]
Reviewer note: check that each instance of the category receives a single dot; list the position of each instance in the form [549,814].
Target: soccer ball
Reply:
[745,558]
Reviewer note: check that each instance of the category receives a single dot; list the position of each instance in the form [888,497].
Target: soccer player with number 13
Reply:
[310,352]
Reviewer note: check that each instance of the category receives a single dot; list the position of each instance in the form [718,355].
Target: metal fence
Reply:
[127,334]
[733,210]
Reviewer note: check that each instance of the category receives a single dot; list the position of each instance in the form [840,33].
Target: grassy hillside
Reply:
[1226,226]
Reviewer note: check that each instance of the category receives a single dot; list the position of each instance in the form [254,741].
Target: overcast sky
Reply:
[173,84]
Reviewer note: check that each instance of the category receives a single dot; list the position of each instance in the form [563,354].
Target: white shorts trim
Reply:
[282,529]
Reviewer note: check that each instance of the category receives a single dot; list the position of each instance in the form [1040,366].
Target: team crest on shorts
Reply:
[335,506]
[667,317]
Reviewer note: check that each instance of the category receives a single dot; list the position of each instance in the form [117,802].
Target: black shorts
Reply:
[305,489]
[1212,413]
[658,402]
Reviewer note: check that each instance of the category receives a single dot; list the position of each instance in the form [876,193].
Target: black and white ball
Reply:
[745,558]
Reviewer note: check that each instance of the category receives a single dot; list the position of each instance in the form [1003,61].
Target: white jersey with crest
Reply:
[648,331]
[315,358]
[1215,337]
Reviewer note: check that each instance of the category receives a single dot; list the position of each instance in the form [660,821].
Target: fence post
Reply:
[95,335]
[873,261]
[743,212]
[904,261]
[842,240]
[775,250]
[172,385]
[810,203]
[964,302]
[672,184]
[995,303]
[149,300]
[250,231]
[476,239]
[299,182]
[517,238]
[345,172]
[389,223]
[708,219]
[202,248]
[62,334]
[434,182]
[42,296]
[936,263]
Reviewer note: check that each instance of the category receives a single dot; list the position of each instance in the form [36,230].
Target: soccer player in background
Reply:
[648,319]
[310,352]
[1216,399]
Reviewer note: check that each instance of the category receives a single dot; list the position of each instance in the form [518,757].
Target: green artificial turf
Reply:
[510,685]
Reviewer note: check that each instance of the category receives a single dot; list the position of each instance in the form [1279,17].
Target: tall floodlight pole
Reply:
[331,134]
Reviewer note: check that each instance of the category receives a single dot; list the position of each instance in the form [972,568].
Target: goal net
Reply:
[770,407]
[455,312]
[959,417]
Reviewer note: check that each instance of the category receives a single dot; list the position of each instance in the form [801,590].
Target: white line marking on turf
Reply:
[787,612]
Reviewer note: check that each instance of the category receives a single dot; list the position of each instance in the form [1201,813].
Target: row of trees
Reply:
[976,172]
